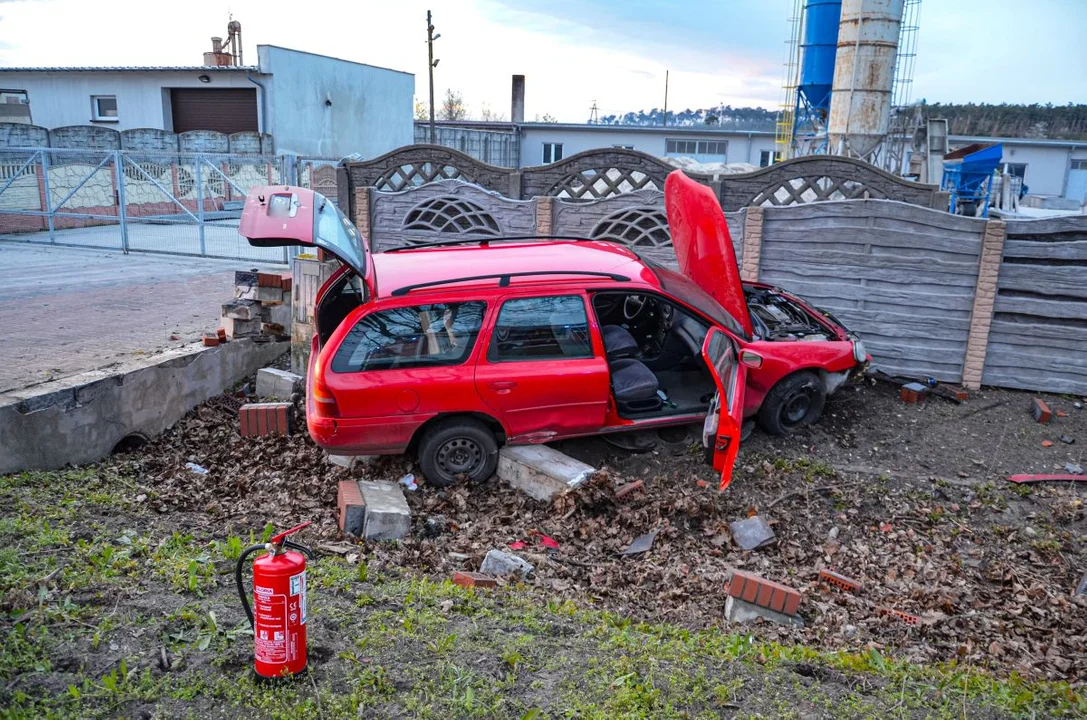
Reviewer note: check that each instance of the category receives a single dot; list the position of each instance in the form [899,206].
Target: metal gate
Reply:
[167,202]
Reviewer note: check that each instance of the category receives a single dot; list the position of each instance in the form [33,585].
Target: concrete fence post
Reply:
[515,185]
[751,253]
[992,251]
[362,213]
[544,210]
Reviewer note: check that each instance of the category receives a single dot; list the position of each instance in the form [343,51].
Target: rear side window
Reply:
[545,328]
[411,337]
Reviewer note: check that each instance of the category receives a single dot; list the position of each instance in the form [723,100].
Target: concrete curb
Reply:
[81,419]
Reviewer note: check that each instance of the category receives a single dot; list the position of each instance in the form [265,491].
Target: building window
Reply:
[104,108]
[1079,164]
[411,337]
[624,147]
[14,106]
[766,158]
[716,149]
[1018,170]
[552,152]
[545,328]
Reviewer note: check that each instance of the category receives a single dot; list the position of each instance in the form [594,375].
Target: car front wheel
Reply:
[796,401]
[456,449]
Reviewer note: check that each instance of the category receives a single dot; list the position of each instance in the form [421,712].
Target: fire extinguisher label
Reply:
[298,587]
[271,619]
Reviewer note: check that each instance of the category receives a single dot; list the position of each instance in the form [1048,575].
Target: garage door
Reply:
[228,110]
[1077,181]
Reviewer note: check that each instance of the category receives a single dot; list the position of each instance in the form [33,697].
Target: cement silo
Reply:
[864,68]
[819,46]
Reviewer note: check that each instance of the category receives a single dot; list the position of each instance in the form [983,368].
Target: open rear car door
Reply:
[721,432]
[278,215]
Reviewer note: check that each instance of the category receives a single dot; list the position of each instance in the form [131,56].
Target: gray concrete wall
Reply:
[81,419]
[328,107]
[1038,336]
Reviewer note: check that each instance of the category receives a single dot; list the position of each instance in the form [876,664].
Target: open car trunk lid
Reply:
[703,245]
[278,215]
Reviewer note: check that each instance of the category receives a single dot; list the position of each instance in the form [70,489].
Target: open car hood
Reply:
[277,215]
[703,245]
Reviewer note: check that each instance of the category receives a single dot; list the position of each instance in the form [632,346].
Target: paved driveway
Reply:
[67,310]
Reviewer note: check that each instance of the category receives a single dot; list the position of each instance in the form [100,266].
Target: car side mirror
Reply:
[750,358]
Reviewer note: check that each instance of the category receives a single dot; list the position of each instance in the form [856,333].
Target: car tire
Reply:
[458,448]
[796,401]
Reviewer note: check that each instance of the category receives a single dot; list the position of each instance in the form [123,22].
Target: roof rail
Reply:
[504,279]
[489,240]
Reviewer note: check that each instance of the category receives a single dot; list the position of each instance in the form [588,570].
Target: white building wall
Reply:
[326,106]
[742,147]
[59,99]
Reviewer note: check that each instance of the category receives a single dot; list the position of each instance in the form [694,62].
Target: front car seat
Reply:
[618,343]
[635,386]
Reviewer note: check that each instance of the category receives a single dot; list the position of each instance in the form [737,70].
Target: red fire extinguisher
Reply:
[279,599]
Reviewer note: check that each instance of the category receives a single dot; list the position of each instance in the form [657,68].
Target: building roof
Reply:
[513,127]
[146,68]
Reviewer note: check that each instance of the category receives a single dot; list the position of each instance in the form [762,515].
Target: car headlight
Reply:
[859,353]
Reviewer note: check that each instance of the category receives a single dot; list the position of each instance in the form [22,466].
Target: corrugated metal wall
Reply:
[1039,333]
[900,275]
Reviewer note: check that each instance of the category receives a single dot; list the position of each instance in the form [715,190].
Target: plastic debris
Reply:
[1067,439]
[752,533]
[517,545]
[193,467]
[549,543]
[641,544]
[408,481]
[1074,468]
[500,564]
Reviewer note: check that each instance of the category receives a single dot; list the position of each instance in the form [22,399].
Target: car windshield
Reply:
[682,288]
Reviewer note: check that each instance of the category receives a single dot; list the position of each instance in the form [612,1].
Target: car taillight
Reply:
[324,400]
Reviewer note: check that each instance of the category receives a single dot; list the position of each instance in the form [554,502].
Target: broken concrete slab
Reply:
[236,329]
[741,611]
[387,514]
[277,314]
[277,384]
[541,472]
[350,461]
[242,310]
[504,564]
[81,419]
[752,533]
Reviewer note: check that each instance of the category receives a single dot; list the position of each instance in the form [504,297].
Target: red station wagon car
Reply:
[450,350]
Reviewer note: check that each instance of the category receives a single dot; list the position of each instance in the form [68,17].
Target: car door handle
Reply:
[503,386]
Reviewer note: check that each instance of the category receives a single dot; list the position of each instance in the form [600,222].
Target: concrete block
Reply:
[352,507]
[741,611]
[242,309]
[503,564]
[269,294]
[276,313]
[240,328]
[387,514]
[541,472]
[350,461]
[277,384]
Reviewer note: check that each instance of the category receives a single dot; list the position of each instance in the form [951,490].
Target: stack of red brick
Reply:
[261,307]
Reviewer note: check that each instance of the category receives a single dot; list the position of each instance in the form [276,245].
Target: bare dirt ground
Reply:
[912,501]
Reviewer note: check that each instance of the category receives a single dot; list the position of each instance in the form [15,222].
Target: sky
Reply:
[574,53]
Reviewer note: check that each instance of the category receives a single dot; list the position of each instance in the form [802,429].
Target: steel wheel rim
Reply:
[458,456]
[796,407]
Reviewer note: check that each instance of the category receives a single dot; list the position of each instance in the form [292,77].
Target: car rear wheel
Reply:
[456,449]
[796,401]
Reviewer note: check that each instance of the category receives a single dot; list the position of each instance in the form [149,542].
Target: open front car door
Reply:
[721,432]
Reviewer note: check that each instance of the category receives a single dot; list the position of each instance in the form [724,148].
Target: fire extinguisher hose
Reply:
[238,579]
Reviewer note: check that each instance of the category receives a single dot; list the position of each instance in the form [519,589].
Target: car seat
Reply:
[618,342]
[634,385]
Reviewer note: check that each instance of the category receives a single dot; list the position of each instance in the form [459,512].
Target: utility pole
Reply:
[665,98]
[431,64]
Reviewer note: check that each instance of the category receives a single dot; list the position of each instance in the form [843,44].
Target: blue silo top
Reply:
[820,43]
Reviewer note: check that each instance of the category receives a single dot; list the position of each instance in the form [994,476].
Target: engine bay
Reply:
[775,317]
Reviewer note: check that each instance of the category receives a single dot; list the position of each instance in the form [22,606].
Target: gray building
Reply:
[310,104]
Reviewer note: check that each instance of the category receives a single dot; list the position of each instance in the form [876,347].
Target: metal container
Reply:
[860,107]
[820,44]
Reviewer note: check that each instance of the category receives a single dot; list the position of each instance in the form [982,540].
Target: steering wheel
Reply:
[633,306]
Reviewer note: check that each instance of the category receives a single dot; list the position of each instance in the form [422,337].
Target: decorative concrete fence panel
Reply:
[446,210]
[900,275]
[636,219]
[1038,337]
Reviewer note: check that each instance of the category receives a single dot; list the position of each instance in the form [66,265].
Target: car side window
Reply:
[411,337]
[542,328]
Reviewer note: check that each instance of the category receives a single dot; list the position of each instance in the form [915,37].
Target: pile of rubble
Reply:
[261,308]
